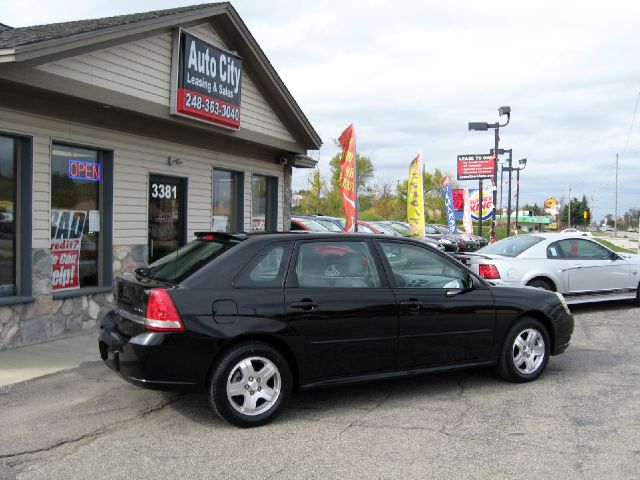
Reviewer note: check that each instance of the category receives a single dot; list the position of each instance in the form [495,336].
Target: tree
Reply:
[631,217]
[364,171]
[314,200]
[535,209]
[387,204]
[364,174]
[578,207]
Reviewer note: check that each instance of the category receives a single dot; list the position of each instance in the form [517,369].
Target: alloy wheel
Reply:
[528,351]
[253,386]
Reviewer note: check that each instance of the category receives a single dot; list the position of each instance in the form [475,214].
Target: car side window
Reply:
[554,251]
[267,269]
[329,264]
[416,267]
[579,249]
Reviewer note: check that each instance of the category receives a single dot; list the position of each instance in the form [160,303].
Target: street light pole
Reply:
[509,198]
[495,184]
[523,163]
[496,127]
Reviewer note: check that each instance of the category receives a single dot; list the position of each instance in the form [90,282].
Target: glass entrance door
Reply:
[166,215]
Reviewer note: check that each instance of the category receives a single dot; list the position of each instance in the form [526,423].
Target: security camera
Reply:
[283,161]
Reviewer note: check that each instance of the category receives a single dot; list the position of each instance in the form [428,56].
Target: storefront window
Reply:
[76,175]
[226,195]
[258,202]
[263,213]
[8,158]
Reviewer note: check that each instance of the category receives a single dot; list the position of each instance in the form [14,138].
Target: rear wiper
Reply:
[144,272]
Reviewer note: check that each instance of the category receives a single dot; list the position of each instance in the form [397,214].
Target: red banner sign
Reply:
[347,182]
[458,199]
[67,228]
[476,166]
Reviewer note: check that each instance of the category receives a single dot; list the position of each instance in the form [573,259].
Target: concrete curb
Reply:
[34,361]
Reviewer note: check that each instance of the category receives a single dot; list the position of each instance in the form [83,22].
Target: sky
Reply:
[410,75]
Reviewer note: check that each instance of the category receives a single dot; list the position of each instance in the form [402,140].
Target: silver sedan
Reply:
[578,267]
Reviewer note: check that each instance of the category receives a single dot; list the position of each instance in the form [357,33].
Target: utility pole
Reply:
[615,218]
[569,210]
[593,203]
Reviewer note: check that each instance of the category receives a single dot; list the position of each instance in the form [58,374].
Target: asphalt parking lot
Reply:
[581,419]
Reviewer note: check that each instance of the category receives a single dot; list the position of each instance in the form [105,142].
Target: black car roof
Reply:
[292,235]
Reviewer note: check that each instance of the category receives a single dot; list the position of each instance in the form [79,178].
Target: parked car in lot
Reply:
[451,243]
[307,224]
[249,317]
[470,242]
[404,230]
[585,233]
[335,224]
[578,267]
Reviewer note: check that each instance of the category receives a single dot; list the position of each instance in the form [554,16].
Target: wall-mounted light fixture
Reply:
[172,161]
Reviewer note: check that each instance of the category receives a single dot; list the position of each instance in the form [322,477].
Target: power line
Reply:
[631,126]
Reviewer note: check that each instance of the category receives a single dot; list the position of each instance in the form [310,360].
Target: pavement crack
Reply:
[351,424]
[91,435]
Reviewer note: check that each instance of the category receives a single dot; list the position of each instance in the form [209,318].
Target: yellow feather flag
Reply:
[415,201]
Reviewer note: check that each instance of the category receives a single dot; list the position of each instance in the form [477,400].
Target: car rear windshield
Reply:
[184,262]
[512,246]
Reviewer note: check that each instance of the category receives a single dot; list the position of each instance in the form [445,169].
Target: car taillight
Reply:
[162,315]
[490,272]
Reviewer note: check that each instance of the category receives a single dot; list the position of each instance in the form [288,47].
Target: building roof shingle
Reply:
[14,37]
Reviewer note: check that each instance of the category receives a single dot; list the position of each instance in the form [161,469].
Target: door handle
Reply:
[304,305]
[573,267]
[412,304]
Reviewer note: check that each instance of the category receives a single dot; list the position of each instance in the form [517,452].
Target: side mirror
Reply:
[468,282]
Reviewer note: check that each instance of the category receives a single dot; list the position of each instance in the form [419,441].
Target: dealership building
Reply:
[119,138]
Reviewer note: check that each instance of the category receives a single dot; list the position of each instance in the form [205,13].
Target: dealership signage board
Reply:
[206,82]
[485,210]
[476,166]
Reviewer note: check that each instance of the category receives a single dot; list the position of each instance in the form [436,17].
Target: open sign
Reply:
[80,170]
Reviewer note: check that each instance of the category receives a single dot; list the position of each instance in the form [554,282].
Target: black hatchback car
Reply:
[249,317]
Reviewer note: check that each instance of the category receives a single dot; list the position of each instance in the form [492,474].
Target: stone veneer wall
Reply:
[45,318]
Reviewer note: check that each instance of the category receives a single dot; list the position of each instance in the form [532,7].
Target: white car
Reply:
[579,268]
[578,232]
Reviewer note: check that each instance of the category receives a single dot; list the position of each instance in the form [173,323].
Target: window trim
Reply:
[390,274]
[239,196]
[271,203]
[105,206]
[23,214]
[291,281]
[242,280]
[184,200]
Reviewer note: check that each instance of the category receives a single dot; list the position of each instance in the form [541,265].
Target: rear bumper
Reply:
[158,361]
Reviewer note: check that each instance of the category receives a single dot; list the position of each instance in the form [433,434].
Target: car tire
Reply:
[638,295]
[540,283]
[250,384]
[525,352]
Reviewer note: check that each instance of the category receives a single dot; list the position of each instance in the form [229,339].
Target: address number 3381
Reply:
[160,190]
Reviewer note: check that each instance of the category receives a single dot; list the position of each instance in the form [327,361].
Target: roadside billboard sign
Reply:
[476,166]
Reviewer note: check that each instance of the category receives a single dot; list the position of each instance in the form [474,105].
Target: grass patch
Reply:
[614,247]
